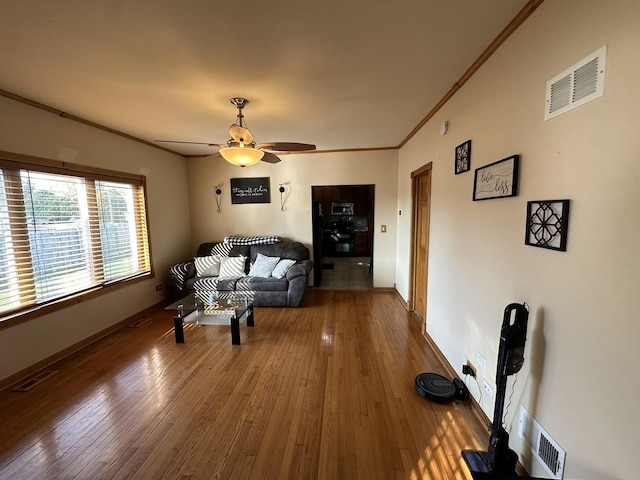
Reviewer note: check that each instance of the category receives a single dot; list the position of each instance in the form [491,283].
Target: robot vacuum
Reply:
[435,387]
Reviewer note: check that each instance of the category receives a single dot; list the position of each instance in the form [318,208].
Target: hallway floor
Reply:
[346,273]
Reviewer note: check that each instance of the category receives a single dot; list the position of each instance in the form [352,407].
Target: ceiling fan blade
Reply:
[287,146]
[270,158]
[240,134]
[191,143]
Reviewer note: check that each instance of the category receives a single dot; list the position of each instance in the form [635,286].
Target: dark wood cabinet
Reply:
[360,195]
[362,206]
[362,246]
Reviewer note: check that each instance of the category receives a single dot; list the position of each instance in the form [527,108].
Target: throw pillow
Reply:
[207,266]
[282,267]
[221,249]
[263,266]
[232,267]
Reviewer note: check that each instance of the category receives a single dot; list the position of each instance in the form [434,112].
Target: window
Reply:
[66,230]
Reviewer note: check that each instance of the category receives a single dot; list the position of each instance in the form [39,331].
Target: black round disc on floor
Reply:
[435,387]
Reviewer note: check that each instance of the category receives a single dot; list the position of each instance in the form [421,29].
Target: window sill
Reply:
[17,316]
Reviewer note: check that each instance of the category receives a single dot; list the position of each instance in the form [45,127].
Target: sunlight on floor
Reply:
[441,452]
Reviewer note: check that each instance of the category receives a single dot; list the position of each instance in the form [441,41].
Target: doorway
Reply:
[421,202]
[342,221]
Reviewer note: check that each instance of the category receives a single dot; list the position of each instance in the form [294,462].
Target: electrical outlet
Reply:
[488,389]
[469,369]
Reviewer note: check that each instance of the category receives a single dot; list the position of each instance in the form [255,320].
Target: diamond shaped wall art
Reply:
[547,222]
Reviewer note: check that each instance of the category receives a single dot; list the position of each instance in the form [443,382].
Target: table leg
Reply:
[235,330]
[250,318]
[178,329]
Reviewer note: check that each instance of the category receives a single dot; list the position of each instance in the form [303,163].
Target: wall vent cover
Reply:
[577,85]
[544,448]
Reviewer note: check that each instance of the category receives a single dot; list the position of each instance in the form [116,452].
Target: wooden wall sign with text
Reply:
[250,190]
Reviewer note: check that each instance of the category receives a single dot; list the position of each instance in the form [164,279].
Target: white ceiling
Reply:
[345,74]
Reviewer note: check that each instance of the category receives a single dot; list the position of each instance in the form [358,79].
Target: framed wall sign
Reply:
[463,157]
[497,180]
[250,190]
[547,222]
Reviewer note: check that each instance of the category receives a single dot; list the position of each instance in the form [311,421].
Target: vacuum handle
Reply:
[513,337]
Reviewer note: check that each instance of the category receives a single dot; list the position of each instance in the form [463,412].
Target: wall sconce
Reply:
[218,192]
[282,189]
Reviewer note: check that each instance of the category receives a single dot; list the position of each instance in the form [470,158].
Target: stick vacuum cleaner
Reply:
[499,458]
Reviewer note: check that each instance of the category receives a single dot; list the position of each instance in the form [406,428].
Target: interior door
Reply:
[316,221]
[421,188]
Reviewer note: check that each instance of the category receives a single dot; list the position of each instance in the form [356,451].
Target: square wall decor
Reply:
[547,222]
[463,157]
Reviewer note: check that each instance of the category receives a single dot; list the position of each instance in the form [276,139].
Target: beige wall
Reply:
[579,379]
[300,173]
[579,376]
[30,131]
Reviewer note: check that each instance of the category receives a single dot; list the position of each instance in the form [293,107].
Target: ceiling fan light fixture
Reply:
[241,156]
[240,149]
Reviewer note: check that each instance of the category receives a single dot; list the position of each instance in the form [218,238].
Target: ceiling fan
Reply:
[241,149]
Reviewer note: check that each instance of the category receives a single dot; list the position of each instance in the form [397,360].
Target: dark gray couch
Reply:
[264,292]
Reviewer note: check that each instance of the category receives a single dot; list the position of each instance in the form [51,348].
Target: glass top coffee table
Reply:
[230,311]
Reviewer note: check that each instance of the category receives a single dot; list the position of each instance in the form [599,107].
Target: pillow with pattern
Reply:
[207,266]
[232,267]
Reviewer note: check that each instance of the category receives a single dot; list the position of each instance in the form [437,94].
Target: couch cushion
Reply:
[211,284]
[222,249]
[260,284]
[227,284]
[292,250]
[213,248]
[239,250]
[207,266]
[263,266]
[282,267]
[232,267]
[205,284]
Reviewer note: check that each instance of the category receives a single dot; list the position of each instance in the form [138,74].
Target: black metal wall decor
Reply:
[250,190]
[496,180]
[463,157]
[547,222]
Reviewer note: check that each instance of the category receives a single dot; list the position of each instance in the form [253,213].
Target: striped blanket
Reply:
[258,240]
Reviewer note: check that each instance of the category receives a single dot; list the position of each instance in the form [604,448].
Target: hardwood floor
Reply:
[324,391]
